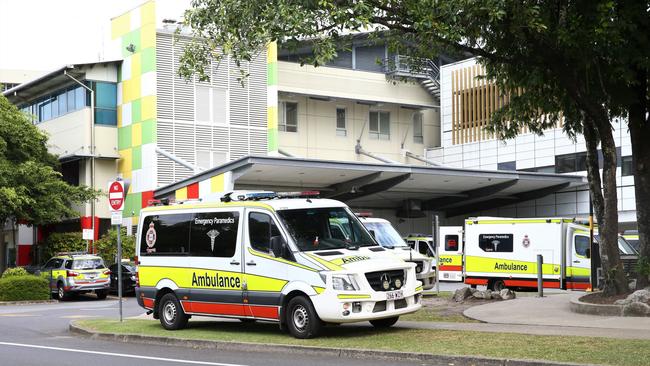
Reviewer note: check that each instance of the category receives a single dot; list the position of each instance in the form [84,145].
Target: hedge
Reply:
[63,242]
[14,272]
[24,288]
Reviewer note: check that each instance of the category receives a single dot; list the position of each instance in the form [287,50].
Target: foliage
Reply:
[107,246]
[582,63]
[31,188]
[643,266]
[63,242]
[24,288]
[13,272]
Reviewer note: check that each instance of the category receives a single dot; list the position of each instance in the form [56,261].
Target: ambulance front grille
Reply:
[394,278]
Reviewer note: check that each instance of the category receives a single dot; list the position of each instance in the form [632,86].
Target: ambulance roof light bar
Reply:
[363,214]
[266,195]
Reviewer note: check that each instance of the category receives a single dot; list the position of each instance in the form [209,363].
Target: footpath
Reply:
[548,315]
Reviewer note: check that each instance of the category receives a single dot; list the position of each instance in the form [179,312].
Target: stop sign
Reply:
[116,195]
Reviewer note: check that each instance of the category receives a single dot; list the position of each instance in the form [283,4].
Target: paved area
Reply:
[552,312]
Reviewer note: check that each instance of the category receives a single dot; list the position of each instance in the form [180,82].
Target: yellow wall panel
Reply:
[271,52]
[217,183]
[136,64]
[181,194]
[148,12]
[119,115]
[272,116]
[125,163]
[147,36]
[148,104]
[136,134]
[131,89]
[120,25]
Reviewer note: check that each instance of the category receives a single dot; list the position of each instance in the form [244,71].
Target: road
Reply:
[38,334]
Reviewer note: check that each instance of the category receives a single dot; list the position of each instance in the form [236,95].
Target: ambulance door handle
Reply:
[234,263]
[576,261]
[251,263]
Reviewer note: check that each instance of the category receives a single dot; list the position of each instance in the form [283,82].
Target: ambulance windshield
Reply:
[386,235]
[325,228]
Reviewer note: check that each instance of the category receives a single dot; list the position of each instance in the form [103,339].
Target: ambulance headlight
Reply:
[344,283]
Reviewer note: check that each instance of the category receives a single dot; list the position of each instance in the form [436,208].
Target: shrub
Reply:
[63,242]
[106,246]
[13,272]
[24,288]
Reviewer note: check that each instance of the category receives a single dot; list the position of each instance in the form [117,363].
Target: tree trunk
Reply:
[605,202]
[640,137]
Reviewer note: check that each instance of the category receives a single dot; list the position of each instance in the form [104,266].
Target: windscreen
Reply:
[325,228]
[625,247]
[385,234]
[93,263]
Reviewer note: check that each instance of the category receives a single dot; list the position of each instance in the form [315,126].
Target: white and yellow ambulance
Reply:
[386,235]
[450,258]
[269,256]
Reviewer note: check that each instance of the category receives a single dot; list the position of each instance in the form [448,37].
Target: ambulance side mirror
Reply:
[279,247]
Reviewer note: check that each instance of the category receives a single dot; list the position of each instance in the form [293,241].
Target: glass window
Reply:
[385,234]
[342,59]
[627,167]
[214,234]
[370,58]
[289,117]
[581,162]
[80,98]
[495,242]
[166,235]
[451,243]
[105,103]
[202,102]
[582,245]
[88,263]
[379,125]
[63,103]
[261,228]
[418,136]
[340,122]
[55,107]
[219,97]
[565,163]
[45,112]
[423,248]
[313,229]
[507,165]
[70,97]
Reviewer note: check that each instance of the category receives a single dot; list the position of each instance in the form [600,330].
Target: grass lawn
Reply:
[437,314]
[505,345]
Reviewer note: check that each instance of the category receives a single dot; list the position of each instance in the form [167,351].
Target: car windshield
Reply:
[625,247]
[385,234]
[325,228]
[91,263]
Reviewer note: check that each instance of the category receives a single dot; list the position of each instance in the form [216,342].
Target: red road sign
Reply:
[116,195]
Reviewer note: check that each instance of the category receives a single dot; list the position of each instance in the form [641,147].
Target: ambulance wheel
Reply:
[101,294]
[302,320]
[172,316]
[384,323]
[60,292]
[498,285]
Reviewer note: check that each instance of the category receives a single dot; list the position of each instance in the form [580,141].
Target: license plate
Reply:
[394,295]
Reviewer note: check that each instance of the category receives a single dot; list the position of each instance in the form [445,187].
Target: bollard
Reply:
[540,281]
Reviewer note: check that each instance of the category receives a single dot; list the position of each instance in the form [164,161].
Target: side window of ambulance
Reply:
[166,235]
[214,234]
[496,242]
[261,228]
[451,243]
[423,248]
[582,245]
[49,264]
[411,243]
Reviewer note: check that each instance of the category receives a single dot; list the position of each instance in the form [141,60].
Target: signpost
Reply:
[116,196]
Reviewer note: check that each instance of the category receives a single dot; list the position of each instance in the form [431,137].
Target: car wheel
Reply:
[498,285]
[101,294]
[384,323]
[172,316]
[60,292]
[302,320]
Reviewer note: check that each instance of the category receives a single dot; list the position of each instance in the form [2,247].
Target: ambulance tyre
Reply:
[384,323]
[302,320]
[60,292]
[497,285]
[101,294]
[172,316]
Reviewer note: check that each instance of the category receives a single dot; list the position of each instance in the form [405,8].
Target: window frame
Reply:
[418,139]
[377,134]
[274,221]
[341,131]
[575,247]
[512,243]
[212,115]
[282,120]
[236,251]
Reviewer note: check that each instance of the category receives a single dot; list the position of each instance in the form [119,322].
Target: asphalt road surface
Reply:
[38,335]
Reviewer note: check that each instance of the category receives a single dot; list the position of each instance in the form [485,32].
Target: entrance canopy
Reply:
[455,191]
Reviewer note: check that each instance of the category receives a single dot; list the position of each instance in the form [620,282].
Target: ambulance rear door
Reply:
[450,259]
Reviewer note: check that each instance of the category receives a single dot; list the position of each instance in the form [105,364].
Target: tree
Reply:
[107,246]
[583,63]
[31,188]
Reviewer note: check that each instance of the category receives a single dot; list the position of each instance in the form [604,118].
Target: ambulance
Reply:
[502,252]
[279,257]
[450,260]
[386,235]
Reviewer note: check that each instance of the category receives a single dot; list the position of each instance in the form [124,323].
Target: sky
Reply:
[43,35]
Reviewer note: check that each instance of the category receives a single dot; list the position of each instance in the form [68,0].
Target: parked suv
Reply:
[76,273]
